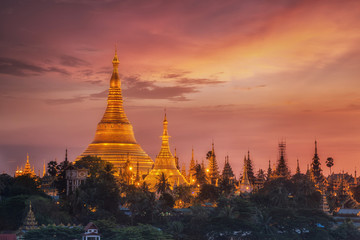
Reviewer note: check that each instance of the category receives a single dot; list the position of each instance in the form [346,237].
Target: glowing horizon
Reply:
[246,74]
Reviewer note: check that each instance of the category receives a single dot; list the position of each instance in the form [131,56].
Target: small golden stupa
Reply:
[114,138]
[27,169]
[165,163]
[30,222]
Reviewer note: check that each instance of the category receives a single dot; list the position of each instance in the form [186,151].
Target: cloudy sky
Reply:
[245,74]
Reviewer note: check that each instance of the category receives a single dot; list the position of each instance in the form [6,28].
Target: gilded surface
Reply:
[165,163]
[114,138]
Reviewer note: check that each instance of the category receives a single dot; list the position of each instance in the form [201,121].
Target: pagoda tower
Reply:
[192,170]
[315,169]
[227,171]
[213,169]
[27,169]
[30,222]
[165,163]
[114,137]
[297,167]
[245,185]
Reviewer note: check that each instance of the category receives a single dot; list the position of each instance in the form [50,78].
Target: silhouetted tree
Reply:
[162,184]
[52,168]
[226,186]
[200,175]
[208,192]
[261,175]
[329,163]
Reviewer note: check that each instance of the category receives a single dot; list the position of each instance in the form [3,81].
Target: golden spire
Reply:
[115,112]
[355,178]
[165,162]
[27,169]
[192,162]
[165,148]
[44,170]
[245,178]
[114,137]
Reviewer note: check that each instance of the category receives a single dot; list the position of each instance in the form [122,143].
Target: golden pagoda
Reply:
[30,222]
[165,163]
[27,169]
[192,170]
[245,185]
[114,138]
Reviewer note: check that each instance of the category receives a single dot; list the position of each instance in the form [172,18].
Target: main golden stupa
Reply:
[165,163]
[114,138]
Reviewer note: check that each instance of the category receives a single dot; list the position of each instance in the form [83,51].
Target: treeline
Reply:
[285,208]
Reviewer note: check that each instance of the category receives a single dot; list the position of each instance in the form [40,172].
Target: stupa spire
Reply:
[115,112]
[355,178]
[114,137]
[165,162]
[297,167]
[165,148]
[66,155]
[245,178]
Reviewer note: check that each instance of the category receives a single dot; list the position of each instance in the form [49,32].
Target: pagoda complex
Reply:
[27,169]
[114,138]
[165,163]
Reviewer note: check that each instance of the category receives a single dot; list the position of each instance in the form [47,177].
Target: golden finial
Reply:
[115,60]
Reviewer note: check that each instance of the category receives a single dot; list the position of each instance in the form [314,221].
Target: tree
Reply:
[140,232]
[329,163]
[208,193]
[60,181]
[209,154]
[261,175]
[346,231]
[297,192]
[142,205]
[12,211]
[54,233]
[200,175]
[166,202]
[183,195]
[25,185]
[99,196]
[95,165]
[226,186]
[52,168]
[162,184]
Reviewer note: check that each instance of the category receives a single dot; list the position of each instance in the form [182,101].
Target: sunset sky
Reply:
[245,74]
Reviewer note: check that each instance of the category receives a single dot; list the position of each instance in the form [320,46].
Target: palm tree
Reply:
[162,184]
[329,163]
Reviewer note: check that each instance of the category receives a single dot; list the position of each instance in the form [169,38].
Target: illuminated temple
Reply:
[114,138]
[27,169]
[165,163]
